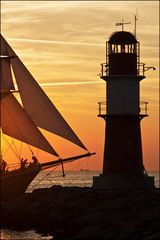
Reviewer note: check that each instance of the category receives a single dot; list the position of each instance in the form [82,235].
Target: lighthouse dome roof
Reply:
[122,37]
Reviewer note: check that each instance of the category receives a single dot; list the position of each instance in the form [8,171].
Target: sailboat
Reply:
[22,120]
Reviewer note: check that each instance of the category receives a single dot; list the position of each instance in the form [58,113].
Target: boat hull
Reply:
[15,183]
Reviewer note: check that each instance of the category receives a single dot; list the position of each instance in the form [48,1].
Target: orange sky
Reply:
[62,43]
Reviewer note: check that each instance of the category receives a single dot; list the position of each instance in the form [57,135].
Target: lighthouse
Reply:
[123,112]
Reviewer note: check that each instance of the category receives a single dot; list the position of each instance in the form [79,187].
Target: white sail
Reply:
[5,49]
[6,81]
[39,107]
[36,103]
[17,124]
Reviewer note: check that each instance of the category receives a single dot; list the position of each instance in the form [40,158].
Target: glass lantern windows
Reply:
[122,48]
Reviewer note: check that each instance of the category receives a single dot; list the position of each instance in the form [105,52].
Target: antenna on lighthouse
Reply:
[135,23]
[122,24]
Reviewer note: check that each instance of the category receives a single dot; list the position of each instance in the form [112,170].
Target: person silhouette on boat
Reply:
[23,163]
[35,160]
[3,166]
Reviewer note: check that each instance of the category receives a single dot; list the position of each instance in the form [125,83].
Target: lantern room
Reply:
[122,54]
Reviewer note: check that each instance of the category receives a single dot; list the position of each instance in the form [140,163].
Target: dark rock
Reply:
[73,213]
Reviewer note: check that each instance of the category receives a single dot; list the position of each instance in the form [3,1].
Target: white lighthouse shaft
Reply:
[123,95]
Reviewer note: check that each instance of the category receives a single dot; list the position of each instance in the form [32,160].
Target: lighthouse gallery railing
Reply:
[105,70]
[102,108]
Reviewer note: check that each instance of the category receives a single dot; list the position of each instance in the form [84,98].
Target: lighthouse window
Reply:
[134,48]
[131,48]
[110,48]
[123,48]
[113,48]
[117,48]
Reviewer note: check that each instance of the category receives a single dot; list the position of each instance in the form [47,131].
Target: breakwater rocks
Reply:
[74,213]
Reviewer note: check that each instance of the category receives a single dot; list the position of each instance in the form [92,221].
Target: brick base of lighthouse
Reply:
[119,182]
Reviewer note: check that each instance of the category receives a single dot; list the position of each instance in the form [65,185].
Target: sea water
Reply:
[28,235]
[46,179]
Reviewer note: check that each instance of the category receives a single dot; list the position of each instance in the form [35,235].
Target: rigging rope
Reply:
[29,148]
[75,166]
[56,176]
[7,149]
[18,154]
[10,146]
[44,177]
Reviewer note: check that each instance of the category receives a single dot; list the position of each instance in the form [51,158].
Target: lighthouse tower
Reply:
[123,161]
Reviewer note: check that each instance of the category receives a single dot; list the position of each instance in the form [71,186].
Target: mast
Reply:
[135,23]
[65,160]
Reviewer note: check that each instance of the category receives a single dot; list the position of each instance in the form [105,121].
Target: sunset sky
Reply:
[62,43]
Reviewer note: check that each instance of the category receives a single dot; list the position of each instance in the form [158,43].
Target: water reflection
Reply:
[14,235]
